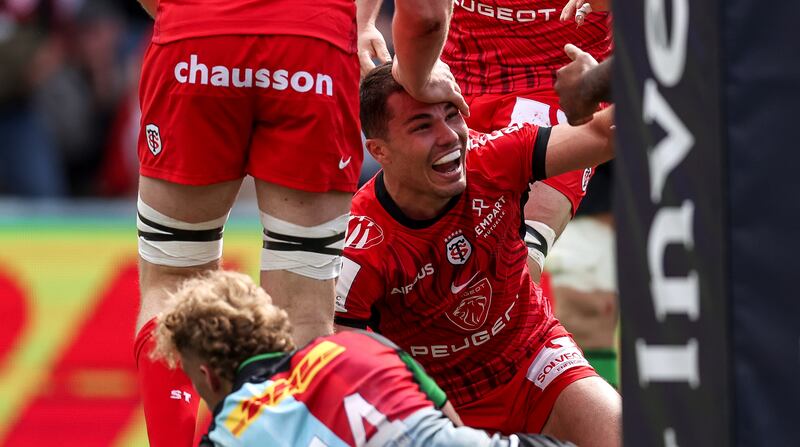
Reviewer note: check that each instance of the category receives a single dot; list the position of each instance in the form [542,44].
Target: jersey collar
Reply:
[397,214]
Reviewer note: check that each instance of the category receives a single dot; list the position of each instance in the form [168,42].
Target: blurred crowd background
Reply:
[69,112]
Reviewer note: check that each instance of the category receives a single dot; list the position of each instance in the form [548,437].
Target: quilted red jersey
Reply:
[453,291]
[502,46]
[331,20]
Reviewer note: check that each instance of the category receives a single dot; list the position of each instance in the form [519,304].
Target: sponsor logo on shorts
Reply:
[343,163]
[507,14]
[424,272]
[194,72]
[458,248]
[473,309]
[557,356]
[363,233]
[153,137]
[587,174]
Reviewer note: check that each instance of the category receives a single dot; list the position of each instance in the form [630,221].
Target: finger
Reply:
[461,104]
[581,13]
[381,52]
[568,10]
[572,51]
[365,61]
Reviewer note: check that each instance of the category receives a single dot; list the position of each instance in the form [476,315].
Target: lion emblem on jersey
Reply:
[473,307]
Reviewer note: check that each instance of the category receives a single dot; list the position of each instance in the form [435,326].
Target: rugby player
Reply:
[504,54]
[352,388]
[435,262]
[269,89]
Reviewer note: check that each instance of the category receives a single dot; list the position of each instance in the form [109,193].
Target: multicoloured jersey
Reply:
[333,20]
[349,389]
[501,46]
[453,291]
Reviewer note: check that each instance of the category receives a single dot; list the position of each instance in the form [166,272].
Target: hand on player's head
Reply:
[440,87]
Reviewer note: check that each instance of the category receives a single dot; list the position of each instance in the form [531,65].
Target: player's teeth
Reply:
[452,156]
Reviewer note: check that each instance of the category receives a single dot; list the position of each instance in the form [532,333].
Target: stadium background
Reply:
[68,114]
[68,169]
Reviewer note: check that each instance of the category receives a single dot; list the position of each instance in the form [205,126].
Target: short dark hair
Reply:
[376,87]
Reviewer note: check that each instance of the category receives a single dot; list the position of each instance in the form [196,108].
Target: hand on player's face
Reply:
[425,141]
[572,98]
[440,88]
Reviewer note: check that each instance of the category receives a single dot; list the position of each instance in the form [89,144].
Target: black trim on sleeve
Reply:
[350,322]
[540,153]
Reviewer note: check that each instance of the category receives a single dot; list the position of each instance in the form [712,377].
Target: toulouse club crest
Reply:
[458,248]
[153,136]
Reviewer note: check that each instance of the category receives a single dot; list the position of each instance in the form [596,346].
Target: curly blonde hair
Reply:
[223,318]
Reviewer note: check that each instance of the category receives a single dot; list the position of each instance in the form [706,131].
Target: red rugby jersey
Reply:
[502,46]
[453,291]
[331,20]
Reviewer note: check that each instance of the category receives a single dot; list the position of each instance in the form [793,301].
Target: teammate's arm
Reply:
[571,148]
[149,6]
[371,44]
[419,30]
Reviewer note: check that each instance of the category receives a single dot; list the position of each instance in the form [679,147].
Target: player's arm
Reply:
[419,30]
[149,6]
[371,44]
[571,148]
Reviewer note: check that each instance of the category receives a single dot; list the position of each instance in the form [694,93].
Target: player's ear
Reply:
[379,150]
[212,380]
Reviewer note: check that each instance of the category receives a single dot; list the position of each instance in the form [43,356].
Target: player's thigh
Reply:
[188,203]
[306,147]
[587,412]
[301,207]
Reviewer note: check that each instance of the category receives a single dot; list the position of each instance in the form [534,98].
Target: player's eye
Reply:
[421,127]
[452,115]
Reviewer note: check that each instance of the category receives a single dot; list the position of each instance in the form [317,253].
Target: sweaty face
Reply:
[427,145]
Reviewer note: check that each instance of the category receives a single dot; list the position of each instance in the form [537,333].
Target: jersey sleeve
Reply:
[515,154]
[358,287]
[426,384]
